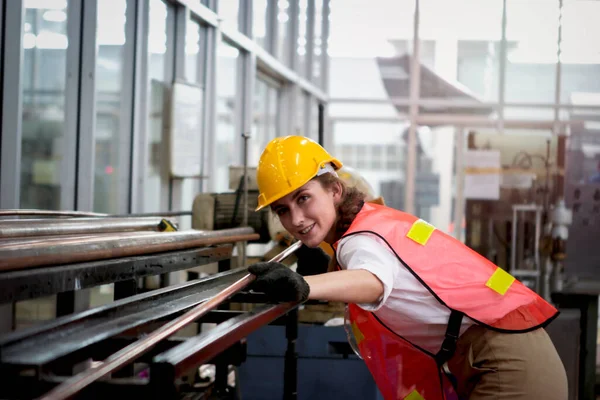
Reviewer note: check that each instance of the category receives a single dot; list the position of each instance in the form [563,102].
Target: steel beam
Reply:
[86,128]
[12,104]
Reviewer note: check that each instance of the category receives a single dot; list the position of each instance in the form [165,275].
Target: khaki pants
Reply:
[491,365]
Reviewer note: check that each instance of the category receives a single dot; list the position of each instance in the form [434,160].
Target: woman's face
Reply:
[309,213]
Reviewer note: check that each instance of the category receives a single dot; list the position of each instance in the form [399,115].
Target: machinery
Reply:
[145,344]
[543,229]
[514,230]
[213,211]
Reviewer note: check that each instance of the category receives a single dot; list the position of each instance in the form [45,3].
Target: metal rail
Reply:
[62,250]
[206,346]
[136,349]
[40,345]
[47,227]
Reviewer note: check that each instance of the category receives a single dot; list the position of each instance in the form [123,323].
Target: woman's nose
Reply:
[297,218]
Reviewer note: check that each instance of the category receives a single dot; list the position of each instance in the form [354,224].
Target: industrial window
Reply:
[43,74]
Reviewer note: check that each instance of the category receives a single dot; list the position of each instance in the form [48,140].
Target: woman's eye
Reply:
[281,211]
[302,199]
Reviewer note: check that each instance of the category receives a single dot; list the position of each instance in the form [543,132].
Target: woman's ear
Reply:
[337,190]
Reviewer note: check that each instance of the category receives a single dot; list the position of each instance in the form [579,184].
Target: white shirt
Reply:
[406,306]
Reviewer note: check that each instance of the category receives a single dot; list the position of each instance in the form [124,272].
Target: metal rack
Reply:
[516,256]
[37,359]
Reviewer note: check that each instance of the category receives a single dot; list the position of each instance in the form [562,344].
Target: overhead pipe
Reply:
[61,250]
[71,226]
[128,354]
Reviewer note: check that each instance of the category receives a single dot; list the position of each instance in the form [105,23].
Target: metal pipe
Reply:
[558,77]
[244,249]
[60,250]
[72,226]
[502,73]
[141,346]
[483,121]
[460,103]
[51,239]
[50,213]
[459,193]
[411,145]
[513,242]
[153,214]
[536,255]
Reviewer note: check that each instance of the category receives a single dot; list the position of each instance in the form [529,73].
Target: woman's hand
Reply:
[281,284]
[278,282]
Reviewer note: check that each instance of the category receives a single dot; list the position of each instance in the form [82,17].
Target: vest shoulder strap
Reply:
[451,337]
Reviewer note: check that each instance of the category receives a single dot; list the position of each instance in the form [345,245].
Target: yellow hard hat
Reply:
[286,164]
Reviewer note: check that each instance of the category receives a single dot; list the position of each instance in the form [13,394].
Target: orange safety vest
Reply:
[459,278]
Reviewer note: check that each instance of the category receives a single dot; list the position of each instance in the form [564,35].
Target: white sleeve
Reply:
[368,252]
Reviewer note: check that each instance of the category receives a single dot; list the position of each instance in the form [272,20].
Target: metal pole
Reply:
[49,213]
[325,29]
[126,355]
[558,81]
[290,368]
[21,228]
[513,242]
[459,195]
[502,74]
[536,256]
[415,82]
[481,121]
[458,103]
[246,137]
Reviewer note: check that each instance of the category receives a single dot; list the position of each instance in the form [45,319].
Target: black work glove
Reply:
[311,261]
[278,282]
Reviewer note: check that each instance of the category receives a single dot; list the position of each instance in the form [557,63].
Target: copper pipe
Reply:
[50,213]
[60,250]
[46,227]
[129,353]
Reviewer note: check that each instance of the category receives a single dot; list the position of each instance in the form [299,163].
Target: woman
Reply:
[431,318]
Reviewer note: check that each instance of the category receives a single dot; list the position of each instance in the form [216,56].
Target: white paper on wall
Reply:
[482,174]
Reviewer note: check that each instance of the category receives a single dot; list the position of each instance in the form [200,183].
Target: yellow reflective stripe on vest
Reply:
[420,231]
[414,395]
[500,281]
[358,335]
